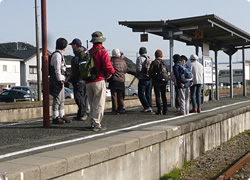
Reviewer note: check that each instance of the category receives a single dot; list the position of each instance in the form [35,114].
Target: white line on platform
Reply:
[109,132]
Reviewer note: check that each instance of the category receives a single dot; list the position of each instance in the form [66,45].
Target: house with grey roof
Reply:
[28,66]
[9,70]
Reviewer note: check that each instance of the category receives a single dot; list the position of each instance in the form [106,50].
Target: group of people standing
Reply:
[92,93]
[182,88]
[148,78]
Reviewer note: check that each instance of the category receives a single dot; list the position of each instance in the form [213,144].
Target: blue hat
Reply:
[77,42]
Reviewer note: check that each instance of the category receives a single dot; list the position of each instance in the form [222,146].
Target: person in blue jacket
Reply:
[182,87]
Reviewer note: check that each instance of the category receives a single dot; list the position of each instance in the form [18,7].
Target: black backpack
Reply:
[51,68]
[162,72]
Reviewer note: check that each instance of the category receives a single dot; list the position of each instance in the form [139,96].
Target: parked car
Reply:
[130,91]
[68,93]
[31,90]
[15,96]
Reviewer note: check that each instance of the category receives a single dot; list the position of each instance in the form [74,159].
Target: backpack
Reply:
[146,65]
[186,74]
[88,71]
[51,69]
[162,72]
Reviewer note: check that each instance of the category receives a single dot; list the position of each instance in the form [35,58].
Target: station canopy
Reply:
[210,29]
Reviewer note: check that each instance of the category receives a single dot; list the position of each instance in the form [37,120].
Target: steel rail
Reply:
[238,165]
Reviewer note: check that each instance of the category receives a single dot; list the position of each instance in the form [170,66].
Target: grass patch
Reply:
[175,174]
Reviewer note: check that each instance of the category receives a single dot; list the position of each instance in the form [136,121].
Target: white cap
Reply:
[116,53]
[194,57]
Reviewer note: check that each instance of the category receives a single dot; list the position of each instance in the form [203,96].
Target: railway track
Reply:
[240,170]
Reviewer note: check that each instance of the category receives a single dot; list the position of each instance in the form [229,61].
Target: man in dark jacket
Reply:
[80,94]
[159,84]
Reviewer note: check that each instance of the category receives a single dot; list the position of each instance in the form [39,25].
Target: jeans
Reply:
[160,93]
[196,95]
[145,93]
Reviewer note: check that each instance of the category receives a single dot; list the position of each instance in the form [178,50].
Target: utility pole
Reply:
[38,55]
[45,65]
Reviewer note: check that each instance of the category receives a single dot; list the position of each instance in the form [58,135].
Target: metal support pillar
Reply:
[45,67]
[231,75]
[217,96]
[197,50]
[172,90]
[244,72]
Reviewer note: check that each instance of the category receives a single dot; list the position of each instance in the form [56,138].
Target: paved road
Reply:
[33,137]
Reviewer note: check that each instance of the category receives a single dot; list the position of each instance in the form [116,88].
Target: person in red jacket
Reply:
[96,89]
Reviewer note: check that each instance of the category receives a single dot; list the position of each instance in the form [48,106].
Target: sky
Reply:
[80,18]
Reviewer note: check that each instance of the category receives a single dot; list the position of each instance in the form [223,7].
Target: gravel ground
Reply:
[214,162]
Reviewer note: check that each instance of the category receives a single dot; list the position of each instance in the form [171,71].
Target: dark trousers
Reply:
[160,94]
[117,100]
[145,93]
[196,95]
[177,98]
[81,99]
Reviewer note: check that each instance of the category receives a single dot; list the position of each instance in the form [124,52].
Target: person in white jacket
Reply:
[197,70]
[57,77]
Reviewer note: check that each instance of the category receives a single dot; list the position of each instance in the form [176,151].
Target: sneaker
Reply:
[83,118]
[182,113]
[193,110]
[66,119]
[199,110]
[99,128]
[158,113]
[96,127]
[123,111]
[115,113]
[147,110]
[164,112]
[57,120]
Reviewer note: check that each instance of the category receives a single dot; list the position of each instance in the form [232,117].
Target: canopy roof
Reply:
[218,33]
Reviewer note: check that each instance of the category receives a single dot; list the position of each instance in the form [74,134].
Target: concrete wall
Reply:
[32,110]
[144,154]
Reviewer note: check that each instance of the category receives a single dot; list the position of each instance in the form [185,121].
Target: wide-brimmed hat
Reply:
[97,37]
